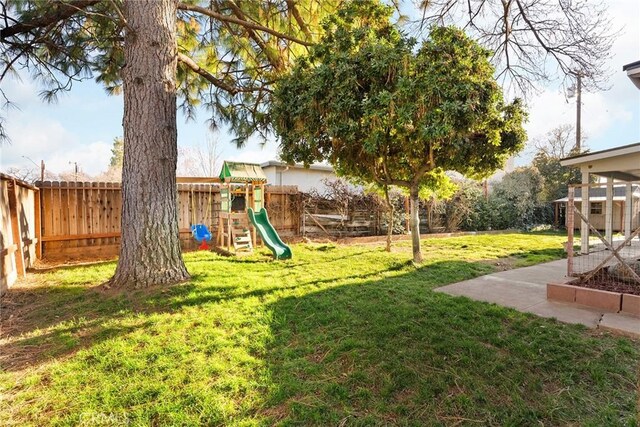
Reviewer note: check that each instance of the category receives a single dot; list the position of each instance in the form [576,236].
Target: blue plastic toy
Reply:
[201,234]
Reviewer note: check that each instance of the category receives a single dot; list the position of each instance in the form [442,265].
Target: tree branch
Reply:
[59,11]
[291,4]
[246,24]
[275,60]
[193,66]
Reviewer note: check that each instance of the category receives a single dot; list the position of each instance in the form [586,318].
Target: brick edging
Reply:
[614,302]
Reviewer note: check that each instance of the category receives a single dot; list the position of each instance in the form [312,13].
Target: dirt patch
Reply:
[605,282]
[46,265]
[501,264]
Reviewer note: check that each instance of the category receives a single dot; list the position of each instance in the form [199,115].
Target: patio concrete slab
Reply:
[525,289]
[624,323]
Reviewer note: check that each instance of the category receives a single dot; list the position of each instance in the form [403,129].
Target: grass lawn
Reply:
[340,335]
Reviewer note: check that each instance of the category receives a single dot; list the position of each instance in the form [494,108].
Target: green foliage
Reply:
[117,153]
[514,203]
[461,205]
[382,109]
[556,177]
[557,144]
[516,196]
[339,333]
[242,62]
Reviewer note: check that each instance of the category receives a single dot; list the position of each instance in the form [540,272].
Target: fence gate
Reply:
[609,237]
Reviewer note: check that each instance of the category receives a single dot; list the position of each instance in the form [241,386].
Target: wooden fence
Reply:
[83,218]
[359,216]
[19,229]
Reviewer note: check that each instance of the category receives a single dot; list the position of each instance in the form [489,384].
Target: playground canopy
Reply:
[241,172]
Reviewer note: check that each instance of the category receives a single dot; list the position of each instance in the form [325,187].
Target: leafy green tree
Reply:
[556,145]
[384,110]
[117,153]
[517,198]
[160,54]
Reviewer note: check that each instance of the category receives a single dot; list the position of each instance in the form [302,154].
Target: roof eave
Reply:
[602,154]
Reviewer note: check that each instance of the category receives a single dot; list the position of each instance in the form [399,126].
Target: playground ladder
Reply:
[241,238]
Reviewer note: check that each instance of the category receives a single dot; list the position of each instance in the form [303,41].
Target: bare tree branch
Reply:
[530,38]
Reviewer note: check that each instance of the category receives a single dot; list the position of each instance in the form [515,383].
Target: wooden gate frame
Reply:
[608,245]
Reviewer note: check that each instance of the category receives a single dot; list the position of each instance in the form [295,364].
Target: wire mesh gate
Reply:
[608,217]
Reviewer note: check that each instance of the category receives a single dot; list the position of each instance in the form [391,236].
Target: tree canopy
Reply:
[382,109]
[229,52]
[161,54]
[556,145]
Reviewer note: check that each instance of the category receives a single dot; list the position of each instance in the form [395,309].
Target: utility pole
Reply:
[578,110]
[75,170]
[576,90]
[36,165]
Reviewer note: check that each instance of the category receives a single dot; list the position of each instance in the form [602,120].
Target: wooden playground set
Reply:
[242,217]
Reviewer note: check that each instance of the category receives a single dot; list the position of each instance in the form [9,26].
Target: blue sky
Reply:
[81,126]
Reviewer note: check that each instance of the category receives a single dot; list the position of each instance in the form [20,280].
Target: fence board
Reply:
[18,229]
[88,214]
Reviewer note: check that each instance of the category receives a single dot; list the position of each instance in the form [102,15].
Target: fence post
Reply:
[37,212]
[628,211]
[16,229]
[570,228]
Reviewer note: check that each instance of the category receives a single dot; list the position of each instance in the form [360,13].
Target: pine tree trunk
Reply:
[150,251]
[414,223]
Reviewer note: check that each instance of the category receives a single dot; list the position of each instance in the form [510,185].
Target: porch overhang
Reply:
[619,163]
[633,72]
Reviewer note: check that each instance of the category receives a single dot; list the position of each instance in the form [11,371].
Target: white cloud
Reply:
[35,139]
[50,141]
[599,113]
[92,158]
[21,90]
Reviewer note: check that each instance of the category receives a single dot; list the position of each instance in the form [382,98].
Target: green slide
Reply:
[269,236]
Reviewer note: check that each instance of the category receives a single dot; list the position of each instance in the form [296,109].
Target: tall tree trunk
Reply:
[150,245]
[390,217]
[414,223]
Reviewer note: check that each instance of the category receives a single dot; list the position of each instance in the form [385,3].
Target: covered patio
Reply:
[618,172]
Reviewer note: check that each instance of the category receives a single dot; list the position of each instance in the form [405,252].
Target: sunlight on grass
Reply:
[346,334]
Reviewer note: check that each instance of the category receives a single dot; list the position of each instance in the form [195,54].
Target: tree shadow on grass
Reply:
[48,322]
[363,350]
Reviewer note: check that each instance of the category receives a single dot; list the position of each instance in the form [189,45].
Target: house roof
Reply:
[242,172]
[633,72]
[631,66]
[599,194]
[317,166]
[596,155]
[622,163]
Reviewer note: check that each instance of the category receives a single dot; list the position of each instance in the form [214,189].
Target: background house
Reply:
[279,173]
[598,207]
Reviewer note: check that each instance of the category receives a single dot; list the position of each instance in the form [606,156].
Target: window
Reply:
[596,208]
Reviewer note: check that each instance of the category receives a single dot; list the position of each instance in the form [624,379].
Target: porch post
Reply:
[608,218]
[628,211]
[584,227]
